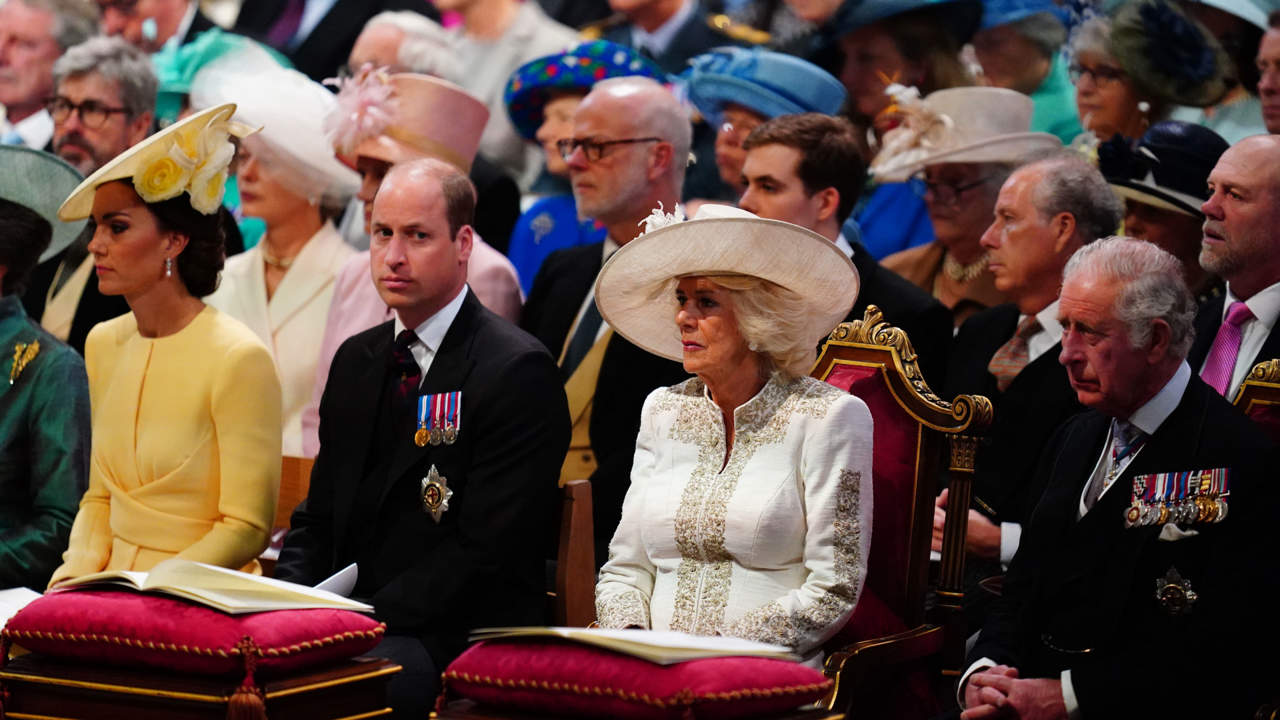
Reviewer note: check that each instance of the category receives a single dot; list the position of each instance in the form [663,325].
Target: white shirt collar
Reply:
[844,246]
[1152,415]
[36,129]
[1265,304]
[312,13]
[659,40]
[431,332]
[185,26]
[1049,334]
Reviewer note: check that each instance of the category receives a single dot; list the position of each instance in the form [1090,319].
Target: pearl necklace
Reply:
[282,263]
[963,273]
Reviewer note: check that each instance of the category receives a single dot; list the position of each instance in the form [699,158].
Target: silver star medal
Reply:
[435,494]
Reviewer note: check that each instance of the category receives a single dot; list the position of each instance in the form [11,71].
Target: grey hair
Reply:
[1151,287]
[74,21]
[1092,35]
[427,47]
[1070,184]
[116,60]
[659,113]
[1044,30]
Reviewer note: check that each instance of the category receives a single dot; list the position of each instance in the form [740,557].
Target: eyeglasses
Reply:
[92,113]
[1102,75]
[594,150]
[944,193]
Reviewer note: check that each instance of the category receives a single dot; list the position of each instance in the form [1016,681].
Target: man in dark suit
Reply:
[805,169]
[1133,580]
[440,436]
[1045,212]
[1237,330]
[630,139]
[33,34]
[150,24]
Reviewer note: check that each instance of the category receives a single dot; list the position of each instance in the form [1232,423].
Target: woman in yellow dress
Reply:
[185,400]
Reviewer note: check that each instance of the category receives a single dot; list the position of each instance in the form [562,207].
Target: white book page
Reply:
[341,582]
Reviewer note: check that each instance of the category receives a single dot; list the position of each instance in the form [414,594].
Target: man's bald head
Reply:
[1241,240]
[645,108]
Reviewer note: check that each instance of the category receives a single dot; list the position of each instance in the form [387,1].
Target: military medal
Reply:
[423,433]
[439,418]
[1174,593]
[435,494]
[23,354]
[1184,498]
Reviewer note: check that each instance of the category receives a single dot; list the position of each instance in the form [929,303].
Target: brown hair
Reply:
[831,153]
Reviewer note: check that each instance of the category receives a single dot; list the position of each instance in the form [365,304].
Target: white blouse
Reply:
[773,547]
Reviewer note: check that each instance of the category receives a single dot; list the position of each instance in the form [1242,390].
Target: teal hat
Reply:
[765,82]
[40,181]
[577,69]
[960,17]
[1002,12]
[177,66]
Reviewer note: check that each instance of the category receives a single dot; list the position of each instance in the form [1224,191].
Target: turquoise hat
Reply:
[766,82]
[39,181]
[176,67]
[1002,12]
[576,69]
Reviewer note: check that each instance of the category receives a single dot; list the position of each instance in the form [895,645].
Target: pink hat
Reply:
[406,116]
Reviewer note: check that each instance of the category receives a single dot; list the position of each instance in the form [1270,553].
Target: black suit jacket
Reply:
[925,320]
[329,44]
[1027,413]
[1208,320]
[484,562]
[1091,583]
[627,376]
[93,307]
[199,24]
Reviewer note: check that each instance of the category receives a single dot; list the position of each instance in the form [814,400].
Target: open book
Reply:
[230,591]
[656,646]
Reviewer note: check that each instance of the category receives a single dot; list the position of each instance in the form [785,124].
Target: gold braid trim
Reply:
[16,636]
[682,698]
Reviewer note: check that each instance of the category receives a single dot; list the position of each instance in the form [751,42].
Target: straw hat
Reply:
[189,156]
[958,125]
[576,69]
[39,181]
[765,82]
[406,116]
[1170,168]
[720,240]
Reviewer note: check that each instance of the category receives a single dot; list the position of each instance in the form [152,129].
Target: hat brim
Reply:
[1014,147]
[628,288]
[79,204]
[36,180]
[710,92]
[386,148]
[1157,197]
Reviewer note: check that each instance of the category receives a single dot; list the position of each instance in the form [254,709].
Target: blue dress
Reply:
[892,218]
[548,225]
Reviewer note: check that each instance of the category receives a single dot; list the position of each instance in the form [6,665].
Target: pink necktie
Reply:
[1221,362]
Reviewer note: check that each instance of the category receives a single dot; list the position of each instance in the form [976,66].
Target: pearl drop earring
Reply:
[168,267]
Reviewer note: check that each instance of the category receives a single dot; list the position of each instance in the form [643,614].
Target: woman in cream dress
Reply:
[185,401]
[749,512]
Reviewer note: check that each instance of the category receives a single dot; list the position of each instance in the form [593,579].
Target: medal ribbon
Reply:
[437,411]
[423,420]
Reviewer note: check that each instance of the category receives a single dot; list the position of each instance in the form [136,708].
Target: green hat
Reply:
[40,181]
[1169,56]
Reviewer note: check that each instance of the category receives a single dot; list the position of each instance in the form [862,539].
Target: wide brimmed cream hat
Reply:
[720,240]
[958,125]
[191,156]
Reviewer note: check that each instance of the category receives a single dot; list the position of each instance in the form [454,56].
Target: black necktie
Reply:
[404,369]
[584,336]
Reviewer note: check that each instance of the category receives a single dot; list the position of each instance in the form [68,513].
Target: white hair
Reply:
[427,47]
[1151,287]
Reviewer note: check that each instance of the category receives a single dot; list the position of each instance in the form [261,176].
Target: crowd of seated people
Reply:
[441,247]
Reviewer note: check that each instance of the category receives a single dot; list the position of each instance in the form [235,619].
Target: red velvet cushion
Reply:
[569,679]
[157,631]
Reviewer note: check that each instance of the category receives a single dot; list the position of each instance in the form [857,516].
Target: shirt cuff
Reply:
[980,664]
[1010,536]
[1069,696]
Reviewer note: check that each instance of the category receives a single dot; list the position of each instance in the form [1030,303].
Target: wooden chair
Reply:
[890,629]
[295,478]
[575,590]
[1259,397]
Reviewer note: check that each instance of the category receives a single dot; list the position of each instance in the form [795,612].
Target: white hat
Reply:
[958,125]
[189,156]
[720,240]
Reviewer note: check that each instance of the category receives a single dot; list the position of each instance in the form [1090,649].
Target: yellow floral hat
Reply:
[191,155]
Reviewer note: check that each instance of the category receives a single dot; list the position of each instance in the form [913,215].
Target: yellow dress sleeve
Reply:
[246,410]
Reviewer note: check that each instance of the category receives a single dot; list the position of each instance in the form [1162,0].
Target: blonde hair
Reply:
[771,319]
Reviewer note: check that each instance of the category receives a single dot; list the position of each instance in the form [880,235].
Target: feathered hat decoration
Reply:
[366,107]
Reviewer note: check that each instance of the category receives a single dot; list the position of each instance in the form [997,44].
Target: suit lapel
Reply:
[362,402]
[1208,319]
[449,370]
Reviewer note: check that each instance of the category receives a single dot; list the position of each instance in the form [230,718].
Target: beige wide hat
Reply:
[720,240]
[406,116]
[958,125]
[191,156]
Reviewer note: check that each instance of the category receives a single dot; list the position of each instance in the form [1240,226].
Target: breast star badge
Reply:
[435,493]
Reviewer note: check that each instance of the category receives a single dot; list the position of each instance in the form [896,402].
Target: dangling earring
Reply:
[168,267]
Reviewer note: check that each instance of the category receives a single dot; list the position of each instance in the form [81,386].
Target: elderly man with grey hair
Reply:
[1045,211]
[33,33]
[626,158]
[1150,557]
[406,41]
[102,104]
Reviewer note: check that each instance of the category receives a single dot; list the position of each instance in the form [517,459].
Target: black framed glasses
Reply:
[1102,75]
[92,113]
[945,193]
[594,149]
